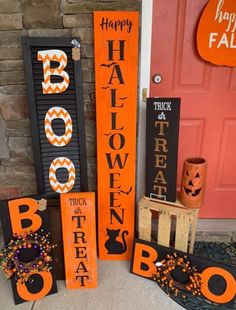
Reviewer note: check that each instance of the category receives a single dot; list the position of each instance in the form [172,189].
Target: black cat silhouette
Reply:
[112,245]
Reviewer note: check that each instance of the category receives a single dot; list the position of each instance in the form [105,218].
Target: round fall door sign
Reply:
[216,34]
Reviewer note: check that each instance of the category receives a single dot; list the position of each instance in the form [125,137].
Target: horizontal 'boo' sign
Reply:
[218,280]
[54,84]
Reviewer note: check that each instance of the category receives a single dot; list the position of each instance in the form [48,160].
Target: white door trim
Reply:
[144,81]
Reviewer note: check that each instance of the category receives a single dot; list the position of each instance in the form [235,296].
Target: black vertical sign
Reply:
[162,133]
[54,85]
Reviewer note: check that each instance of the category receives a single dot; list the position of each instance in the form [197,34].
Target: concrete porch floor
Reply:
[118,289]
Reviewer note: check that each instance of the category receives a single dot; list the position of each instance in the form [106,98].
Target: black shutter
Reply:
[71,100]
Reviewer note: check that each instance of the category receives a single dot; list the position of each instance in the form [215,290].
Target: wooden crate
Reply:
[186,222]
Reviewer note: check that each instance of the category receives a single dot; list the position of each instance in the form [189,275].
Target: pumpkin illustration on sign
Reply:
[193,182]
[216,40]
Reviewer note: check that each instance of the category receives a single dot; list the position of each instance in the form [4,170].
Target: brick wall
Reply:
[41,18]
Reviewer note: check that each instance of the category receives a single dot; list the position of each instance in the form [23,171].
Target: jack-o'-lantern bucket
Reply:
[193,182]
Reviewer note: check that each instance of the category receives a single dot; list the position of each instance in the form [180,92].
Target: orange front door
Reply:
[208,94]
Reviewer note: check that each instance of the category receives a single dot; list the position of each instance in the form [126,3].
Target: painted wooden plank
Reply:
[21,216]
[116,60]
[162,133]
[79,239]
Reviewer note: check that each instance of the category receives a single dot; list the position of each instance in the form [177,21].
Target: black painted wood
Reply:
[216,284]
[36,285]
[162,122]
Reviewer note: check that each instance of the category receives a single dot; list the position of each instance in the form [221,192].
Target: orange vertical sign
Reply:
[116,61]
[79,239]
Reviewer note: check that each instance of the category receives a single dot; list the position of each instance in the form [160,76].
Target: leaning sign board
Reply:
[116,60]
[54,84]
[193,281]
[162,136]
[79,239]
[29,263]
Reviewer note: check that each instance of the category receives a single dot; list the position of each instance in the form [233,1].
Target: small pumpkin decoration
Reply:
[193,182]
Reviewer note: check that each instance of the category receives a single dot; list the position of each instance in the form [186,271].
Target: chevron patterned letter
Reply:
[62,162]
[46,57]
[53,113]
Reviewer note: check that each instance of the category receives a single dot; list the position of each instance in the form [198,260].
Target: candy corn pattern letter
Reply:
[46,57]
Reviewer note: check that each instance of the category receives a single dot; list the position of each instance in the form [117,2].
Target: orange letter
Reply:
[16,216]
[148,261]
[47,285]
[230,290]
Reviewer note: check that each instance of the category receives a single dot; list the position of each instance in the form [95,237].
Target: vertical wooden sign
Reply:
[79,239]
[162,136]
[53,72]
[24,215]
[116,60]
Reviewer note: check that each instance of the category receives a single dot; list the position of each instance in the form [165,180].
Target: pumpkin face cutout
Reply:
[216,34]
[193,182]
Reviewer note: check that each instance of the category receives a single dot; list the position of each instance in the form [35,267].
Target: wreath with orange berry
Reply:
[164,275]
[11,256]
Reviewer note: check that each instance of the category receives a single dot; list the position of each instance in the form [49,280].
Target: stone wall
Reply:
[41,18]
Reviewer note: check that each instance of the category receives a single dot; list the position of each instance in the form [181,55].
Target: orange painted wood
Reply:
[116,59]
[216,39]
[208,96]
[79,239]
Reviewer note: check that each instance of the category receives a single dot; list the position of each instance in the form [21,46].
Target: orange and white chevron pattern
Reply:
[58,112]
[62,162]
[46,57]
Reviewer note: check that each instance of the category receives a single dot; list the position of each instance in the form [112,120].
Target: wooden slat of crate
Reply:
[164,226]
[145,223]
[193,222]
[182,232]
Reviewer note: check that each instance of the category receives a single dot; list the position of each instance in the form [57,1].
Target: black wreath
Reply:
[165,278]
